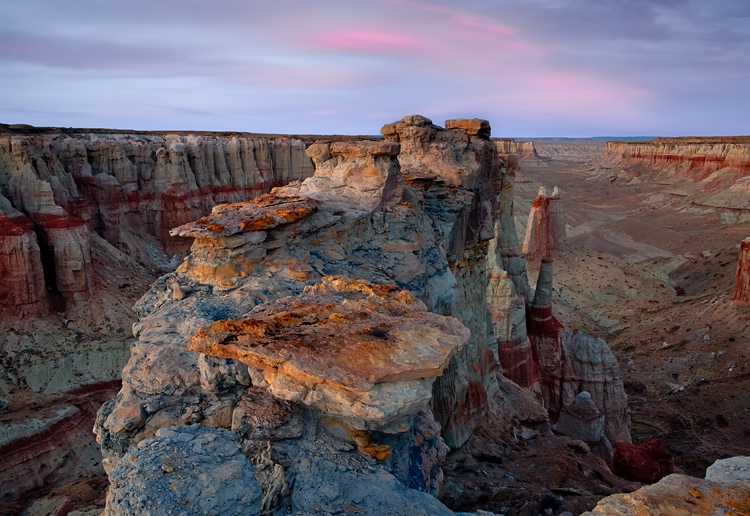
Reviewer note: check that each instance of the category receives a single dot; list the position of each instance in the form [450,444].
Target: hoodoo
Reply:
[741,291]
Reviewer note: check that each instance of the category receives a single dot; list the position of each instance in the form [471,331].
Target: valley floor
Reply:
[652,274]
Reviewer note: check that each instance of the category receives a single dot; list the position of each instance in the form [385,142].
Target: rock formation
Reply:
[518,149]
[456,171]
[365,353]
[725,490]
[507,292]
[22,286]
[741,291]
[344,330]
[130,188]
[710,172]
[322,324]
[81,213]
[689,157]
[534,348]
[545,231]
[583,421]
[646,462]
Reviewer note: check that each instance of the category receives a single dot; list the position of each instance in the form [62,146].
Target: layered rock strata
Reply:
[363,352]
[322,378]
[690,158]
[741,291]
[535,350]
[711,172]
[130,188]
[22,287]
[583,421]
[520,150]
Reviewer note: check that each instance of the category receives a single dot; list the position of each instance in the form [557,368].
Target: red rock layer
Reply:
[131,188]
[60,452]
[741,290]
[689,158]
[647,462]
[545,230]
[22,288]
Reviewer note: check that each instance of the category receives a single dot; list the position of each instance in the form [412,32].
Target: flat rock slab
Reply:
[264,212]
[348,333]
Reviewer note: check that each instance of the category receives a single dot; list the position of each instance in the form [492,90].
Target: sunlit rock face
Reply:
[545,231]
[741,291]
[344,311]
[363,352]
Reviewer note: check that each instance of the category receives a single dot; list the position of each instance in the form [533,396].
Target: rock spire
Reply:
[741,291]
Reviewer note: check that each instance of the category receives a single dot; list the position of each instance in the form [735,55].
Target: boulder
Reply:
[645,462]
[363,352]
[581,420]
[725,490]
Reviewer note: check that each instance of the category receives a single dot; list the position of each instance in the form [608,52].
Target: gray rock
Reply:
[733,469]
[322,487]
[184,470]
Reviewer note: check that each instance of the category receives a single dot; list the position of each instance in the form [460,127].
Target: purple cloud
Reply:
[564,67]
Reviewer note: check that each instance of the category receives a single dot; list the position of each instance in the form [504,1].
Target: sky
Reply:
[572,68]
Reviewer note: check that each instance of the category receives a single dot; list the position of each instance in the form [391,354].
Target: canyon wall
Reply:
[713,173]
[509,146]
[59,185]
[348,328]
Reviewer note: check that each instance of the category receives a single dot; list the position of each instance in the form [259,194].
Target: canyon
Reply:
[434,367]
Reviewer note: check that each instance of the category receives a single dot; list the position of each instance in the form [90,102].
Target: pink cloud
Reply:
[368,42]
[575,95]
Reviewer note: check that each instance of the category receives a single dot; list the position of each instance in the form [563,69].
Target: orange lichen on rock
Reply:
[353,334]
[262,213]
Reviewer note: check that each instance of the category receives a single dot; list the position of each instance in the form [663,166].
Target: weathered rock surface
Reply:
[741,291]
[534,348]
[457,172]
[185,470]
[575,362]
[519,149]
[130,188]
[353,358]
[733,469]
[22,288]
[583,421]
[545,231]
[725,490]
[367,353]
[48,447]
[81,213]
